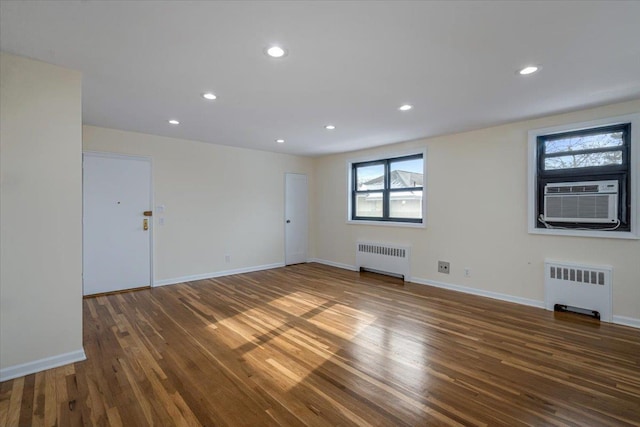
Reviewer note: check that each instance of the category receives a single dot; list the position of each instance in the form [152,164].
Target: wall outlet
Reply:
[227,258]
[443,267]
[467,272]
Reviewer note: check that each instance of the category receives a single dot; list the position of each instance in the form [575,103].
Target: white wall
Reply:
[222,200]
[218,200]
[41,216]
[477,216]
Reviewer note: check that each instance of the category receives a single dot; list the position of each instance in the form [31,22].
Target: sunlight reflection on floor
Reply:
[258,327]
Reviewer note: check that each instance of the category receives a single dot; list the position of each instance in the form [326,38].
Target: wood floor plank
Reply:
[319,346]
[5,397]
[13,410]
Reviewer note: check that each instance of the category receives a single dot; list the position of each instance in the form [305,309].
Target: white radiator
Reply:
[583,286]
[384,258]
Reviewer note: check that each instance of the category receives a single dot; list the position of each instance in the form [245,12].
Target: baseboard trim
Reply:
[480,292]
[334,264]
[626,321]
[17,371]
[620,320]
[183,279]
[449,286]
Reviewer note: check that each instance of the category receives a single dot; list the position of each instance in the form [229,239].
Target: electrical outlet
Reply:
[443,267]
[467,272]
[227,258]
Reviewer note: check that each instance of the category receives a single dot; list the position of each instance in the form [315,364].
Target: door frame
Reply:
[284,221]
[148,159]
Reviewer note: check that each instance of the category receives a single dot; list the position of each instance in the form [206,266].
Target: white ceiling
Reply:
[351,64]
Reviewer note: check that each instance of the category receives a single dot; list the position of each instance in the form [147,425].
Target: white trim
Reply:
[51,362]
[390,155]
[626,321]
[183,279]
[110,155]
[334,264]
[620,320]
[449,286]
[584,233]
[634,119]
[389,223]
[480,292]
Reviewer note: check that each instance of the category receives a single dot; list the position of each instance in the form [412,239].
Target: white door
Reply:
[296,221]
[116,192]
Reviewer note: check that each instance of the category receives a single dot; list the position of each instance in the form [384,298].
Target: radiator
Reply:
[384,258]
[583,286]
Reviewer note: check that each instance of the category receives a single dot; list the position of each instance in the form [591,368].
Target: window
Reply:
[583,182]
[388,190]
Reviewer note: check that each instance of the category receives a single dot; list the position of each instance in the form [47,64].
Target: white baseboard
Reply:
[479,292]
[626,321]
[621,320]
[183,279]
[464,289]
[42,364]
[334,264]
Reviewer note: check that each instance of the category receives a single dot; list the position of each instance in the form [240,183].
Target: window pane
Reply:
[406,173]
[369,204]
[405,204]
[583,160]
[370,177]
[583,142]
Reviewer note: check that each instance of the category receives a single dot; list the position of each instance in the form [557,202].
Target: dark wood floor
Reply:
[315,345]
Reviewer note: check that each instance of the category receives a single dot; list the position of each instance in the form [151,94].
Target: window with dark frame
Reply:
[584,157]
[388,189]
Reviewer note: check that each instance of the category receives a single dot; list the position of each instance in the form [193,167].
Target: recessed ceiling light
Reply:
[210,96]
[280,141]
[528,70]
[276,52]
[405,107]
[174,122]
[330,127]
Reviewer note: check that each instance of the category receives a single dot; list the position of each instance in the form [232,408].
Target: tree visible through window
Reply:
[580,151]
[589,155]
[388,189]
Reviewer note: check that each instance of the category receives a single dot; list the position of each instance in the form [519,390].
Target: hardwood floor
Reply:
[314,345]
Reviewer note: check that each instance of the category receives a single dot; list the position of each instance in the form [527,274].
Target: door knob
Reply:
[288,221]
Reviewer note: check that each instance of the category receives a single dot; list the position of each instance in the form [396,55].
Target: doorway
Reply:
[296,218]
[117,222]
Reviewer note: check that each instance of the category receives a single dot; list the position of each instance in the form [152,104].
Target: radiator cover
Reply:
[579,285]
[384,258]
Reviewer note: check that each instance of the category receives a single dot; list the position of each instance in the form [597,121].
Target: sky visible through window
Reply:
[600,141]
[576,143]
[370,172]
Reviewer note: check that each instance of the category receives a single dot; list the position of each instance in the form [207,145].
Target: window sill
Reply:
[587,233]
[387,223]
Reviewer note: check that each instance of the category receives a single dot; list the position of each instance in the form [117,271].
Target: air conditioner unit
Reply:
[589,201]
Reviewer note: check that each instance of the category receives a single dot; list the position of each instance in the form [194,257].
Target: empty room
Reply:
[323,213]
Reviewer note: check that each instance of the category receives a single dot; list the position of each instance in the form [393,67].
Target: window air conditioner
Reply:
[589,201]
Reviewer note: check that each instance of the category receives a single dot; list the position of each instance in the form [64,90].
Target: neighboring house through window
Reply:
[388,190]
